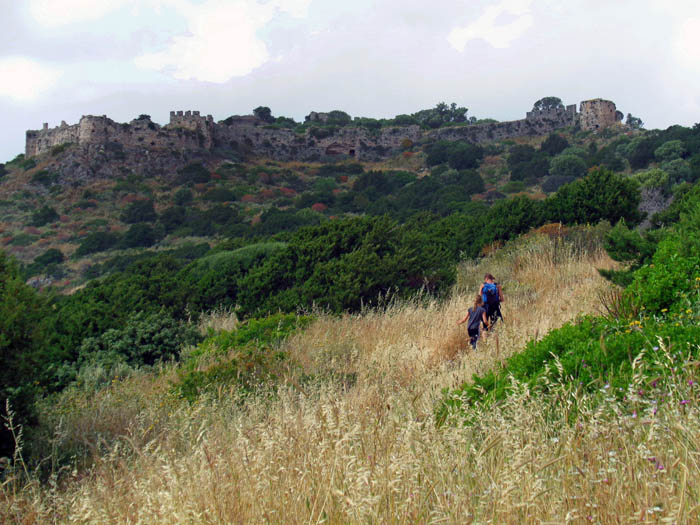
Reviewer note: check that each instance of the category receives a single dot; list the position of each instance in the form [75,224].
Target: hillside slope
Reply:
[369,450]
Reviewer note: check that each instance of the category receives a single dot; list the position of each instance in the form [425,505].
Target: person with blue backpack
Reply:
[492,295]
[476,316]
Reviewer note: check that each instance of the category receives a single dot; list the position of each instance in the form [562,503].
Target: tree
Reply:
[440,115]
[22,338]
[264,113]
[139,211]
[554,144]
[634,122]
[548,103]
[670,150]
[44,216]
[567,166]
[600,195]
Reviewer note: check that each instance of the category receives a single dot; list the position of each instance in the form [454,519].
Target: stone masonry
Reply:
[189,136]
[598,114]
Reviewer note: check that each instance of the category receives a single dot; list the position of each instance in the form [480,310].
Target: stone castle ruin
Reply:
[190,135]
[599,114]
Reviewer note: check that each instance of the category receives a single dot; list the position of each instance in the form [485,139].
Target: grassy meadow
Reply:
[348,433]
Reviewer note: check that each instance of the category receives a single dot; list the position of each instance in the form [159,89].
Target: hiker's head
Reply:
[489,278]
[479,301]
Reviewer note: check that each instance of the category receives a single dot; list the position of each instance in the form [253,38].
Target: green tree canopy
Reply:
[264,113]
[547,103]
[567,166]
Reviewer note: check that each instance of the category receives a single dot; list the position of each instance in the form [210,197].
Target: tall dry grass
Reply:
[350,435]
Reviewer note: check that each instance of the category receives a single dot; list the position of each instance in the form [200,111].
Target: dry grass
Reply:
[356,441]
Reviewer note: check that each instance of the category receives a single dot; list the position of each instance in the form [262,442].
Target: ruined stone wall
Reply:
[534,123]
[39,141]
[189,134]
[566,116]
[598,114]
[186,131]
[286,144]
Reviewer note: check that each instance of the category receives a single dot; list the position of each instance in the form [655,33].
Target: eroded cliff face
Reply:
[103,147]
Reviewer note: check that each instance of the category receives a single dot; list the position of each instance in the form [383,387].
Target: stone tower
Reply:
[598,114]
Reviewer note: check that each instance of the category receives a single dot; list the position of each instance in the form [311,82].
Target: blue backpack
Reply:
[489,293]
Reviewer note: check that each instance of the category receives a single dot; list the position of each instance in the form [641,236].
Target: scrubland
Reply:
[348,433]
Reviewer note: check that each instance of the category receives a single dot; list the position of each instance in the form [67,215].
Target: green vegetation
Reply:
[659,310]
[43,215]
[243,358]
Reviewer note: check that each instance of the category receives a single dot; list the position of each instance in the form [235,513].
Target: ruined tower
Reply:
[598,114]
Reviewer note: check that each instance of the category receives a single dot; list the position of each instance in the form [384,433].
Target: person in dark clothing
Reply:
[492,295]
[476,318]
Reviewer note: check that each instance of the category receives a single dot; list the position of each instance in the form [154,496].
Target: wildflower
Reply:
[664,310]
[655,348]
[684,402]
[607,385]
[689,311]
[691,382]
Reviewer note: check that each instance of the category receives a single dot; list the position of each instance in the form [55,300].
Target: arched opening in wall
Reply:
[351,153]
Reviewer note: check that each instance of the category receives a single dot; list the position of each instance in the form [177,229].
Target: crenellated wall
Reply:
[188,131]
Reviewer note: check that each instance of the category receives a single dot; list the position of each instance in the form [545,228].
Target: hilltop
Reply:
[85,197]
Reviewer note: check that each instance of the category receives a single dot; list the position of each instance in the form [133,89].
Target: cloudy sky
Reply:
[60,59]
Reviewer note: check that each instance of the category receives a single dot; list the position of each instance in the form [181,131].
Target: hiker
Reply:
[476,316]
[492,296]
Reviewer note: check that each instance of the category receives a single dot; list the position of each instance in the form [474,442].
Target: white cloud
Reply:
[222,40]
[687,44]
[488,28]
[24,79]
[52,13]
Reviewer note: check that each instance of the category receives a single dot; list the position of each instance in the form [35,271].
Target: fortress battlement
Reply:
[191,131]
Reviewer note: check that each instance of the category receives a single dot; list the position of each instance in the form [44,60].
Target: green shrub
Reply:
[554,182]
[567,166]
[26,164]
[97,242]
[183,196]
[45,178]
[195,173]
[139,211]
[513,186]
[44,215]
[23,351]
[23,239]
[145,339]
[591,354]
[172,218]
[241,358]
[554,144]
[219,195]
[140,235]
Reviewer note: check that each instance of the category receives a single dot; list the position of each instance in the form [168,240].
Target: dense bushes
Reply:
[144,339]
[139,211]
[23,347]
[458,155]
[44,215]
[97,242]
[242,358]
[593,354]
